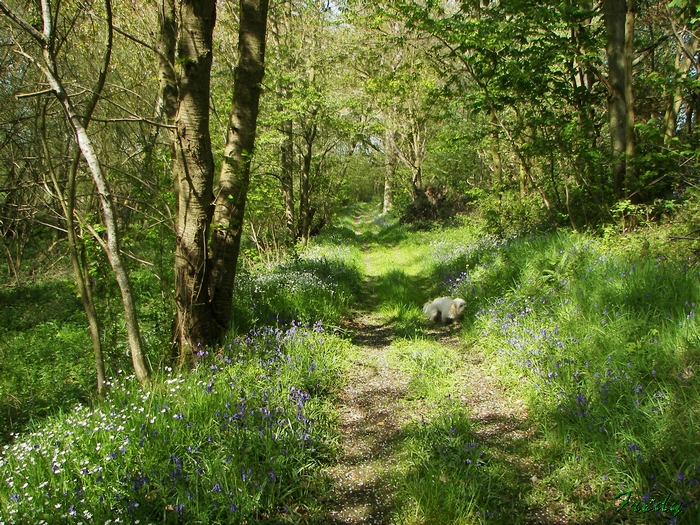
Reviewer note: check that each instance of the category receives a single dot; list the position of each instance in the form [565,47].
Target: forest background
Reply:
[521,116]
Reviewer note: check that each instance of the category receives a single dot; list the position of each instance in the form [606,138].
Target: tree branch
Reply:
[26,26]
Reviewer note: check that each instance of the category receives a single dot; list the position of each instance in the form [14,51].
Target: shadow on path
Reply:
[378,415]
[364,490]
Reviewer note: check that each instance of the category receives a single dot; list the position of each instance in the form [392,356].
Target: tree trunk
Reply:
[235,169]
[630,171]
[614,14]
[204,277]
[390,168]
[193,170]
[684,60]
[49,68]
[166,44]
[287,177]
[66,198]
[497,163]
[305,187]
[417,158]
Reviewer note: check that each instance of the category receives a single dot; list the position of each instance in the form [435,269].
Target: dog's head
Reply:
[457,308]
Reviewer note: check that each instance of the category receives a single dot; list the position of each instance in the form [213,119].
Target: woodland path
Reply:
[374,410]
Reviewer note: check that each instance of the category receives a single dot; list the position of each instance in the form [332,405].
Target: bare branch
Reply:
[26,26]
[48,22]
[35,94]
[142,43]
[135,119]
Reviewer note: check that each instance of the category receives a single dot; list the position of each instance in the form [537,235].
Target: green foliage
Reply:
[429,365]
[602,342]
[508,214]
[319,285]
[449,477]
[239,439]
[46,362]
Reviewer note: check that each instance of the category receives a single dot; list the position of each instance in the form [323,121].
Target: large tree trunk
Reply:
[193,171]
[235,169]
[630,171]
[614,14]
[204,277]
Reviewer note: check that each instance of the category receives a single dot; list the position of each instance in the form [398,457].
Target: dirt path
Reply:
[363,490]
[375,409]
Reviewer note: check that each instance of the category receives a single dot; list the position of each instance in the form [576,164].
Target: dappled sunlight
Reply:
[572,378]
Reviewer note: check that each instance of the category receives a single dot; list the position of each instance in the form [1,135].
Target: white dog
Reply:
[445,309]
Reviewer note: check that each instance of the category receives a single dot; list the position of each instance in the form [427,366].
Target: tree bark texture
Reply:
[193,171]
[614,14]
[166,45]
[630,183]
[209,226]
[235,170]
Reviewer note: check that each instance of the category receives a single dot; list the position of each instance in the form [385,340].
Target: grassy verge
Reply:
[319,284]
[602,343]
[598,337]
[238,439]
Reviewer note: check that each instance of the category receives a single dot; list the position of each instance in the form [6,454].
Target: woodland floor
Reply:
[375,409]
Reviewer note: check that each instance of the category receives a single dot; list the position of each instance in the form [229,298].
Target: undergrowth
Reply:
[240,438]
[602,340]
[598,336]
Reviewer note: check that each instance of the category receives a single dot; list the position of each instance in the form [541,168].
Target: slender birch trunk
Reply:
[46,41]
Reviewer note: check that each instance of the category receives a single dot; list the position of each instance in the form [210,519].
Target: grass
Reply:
[320,284]
[598,336]
[45,359]
[603,345]
[240,438]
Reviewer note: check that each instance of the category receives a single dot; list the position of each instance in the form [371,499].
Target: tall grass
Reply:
[598,337]
[319,284]
[239,439]
[603,345]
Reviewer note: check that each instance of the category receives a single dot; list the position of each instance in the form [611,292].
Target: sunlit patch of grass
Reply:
[449,479]
[239,439]
[429,365]
[604,346]
[406,319]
